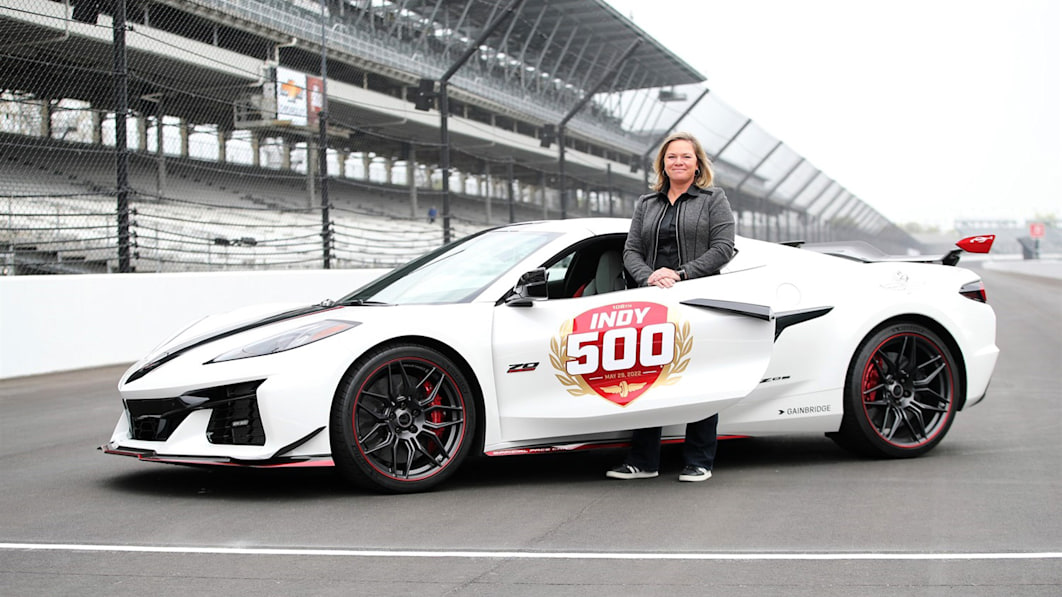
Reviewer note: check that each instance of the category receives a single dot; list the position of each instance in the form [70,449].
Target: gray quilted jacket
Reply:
[705,233]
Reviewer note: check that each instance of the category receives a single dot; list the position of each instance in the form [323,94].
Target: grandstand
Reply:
[235,218]
[555,113]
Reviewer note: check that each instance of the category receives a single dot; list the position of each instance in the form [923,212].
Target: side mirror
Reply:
[530,286]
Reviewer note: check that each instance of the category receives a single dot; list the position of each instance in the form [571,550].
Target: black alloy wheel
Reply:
[901,393]
[403,420]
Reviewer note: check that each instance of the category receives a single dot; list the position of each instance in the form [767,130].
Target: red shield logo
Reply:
[620,351]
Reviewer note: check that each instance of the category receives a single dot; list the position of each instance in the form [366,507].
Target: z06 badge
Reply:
[621,351]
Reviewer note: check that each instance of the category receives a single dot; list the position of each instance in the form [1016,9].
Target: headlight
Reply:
[295,338]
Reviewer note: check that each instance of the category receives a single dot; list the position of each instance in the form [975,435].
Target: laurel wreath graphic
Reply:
[669,375]
[558,356]
[576,386]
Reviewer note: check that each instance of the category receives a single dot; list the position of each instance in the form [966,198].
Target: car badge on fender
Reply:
[620,351]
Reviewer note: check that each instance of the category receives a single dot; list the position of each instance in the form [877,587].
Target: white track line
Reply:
[530,555]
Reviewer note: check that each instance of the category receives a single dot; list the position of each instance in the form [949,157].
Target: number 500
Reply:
[651,346]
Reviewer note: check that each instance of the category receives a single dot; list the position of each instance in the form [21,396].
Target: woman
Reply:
[682,230]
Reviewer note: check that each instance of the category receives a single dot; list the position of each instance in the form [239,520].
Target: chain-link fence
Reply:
[220,164]
[208,187]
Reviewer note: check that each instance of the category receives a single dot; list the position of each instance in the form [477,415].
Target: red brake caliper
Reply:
[436,415]
[871,378]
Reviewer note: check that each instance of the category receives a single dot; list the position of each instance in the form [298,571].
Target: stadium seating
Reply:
[206,215]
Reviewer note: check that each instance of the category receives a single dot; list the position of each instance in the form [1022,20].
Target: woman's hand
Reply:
[664,277]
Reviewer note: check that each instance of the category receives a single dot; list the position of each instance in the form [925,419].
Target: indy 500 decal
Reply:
[620,351]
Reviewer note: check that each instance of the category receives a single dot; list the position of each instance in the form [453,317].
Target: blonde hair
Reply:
[705,174]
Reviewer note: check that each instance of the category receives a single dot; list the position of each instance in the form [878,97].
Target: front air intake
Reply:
[236,422]
[234,416]
[155,420]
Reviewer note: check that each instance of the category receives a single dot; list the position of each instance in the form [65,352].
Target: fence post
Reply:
[322,151]
[121,89]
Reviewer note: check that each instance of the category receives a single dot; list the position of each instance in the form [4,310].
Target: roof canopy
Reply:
[568,39]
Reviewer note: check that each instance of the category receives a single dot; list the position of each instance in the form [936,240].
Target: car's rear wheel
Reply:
[900,393]
[403,419]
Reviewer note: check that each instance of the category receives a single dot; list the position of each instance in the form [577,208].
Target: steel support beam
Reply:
[655,144]
[763,160]
[575,110]
[822,193]
[731,140]
[803,188]
[784,178]
[444,109]
[840,207]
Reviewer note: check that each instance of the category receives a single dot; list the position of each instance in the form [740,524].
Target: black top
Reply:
[667,232]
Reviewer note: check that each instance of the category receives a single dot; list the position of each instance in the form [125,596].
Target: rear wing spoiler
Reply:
[866,253]
[970,244]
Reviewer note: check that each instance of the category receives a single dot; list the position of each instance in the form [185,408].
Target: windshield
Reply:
[455,273]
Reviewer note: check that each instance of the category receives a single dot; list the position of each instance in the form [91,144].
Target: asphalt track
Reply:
[786,516]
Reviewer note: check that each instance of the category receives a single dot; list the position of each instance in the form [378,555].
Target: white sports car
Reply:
[525,339]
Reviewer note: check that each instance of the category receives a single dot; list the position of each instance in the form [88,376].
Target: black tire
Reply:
[403,420]
[900,393]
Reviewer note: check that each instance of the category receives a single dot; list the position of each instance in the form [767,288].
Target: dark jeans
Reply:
[699,449]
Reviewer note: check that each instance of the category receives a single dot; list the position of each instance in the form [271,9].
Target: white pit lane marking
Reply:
[530,555]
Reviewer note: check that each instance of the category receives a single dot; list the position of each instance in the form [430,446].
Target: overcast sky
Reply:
[928,110]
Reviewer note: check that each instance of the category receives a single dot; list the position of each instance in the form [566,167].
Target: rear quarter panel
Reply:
[803,387]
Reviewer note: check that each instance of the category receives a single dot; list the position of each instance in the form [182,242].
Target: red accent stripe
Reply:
[578,447]
[221,460]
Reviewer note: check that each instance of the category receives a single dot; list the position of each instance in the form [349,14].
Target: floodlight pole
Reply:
[121,150]
[575,110]
[444,109]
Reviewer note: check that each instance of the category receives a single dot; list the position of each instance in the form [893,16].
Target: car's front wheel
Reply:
[900,393]
[403,419]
